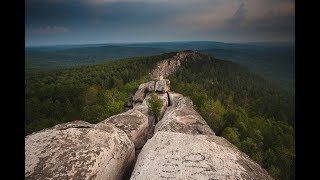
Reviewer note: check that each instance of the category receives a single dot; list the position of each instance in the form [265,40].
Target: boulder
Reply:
[169,155]
[162,85]
[184,119]
[133,123]
[174,98]
[78,150]
[142,107]
[143,90]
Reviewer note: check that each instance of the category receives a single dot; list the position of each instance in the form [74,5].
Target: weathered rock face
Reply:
[143,108]
[162,85]
[174,98]
[181,117]
[143,90]
[78,150]
[170,155]
[133,123]
[168,66]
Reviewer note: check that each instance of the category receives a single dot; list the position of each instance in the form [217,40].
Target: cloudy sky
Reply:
[111,21]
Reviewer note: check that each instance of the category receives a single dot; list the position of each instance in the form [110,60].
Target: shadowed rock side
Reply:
[170,155]
[133,123]
[78,150]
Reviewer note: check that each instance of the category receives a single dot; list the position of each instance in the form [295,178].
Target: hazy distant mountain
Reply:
[274,60]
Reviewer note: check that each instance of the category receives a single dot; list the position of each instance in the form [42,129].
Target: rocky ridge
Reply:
[131,145]
[168,66]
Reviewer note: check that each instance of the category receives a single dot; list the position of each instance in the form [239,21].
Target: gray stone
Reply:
[163,85]
[143,108]
[174,98]
[169,155]
[78,150]
[168,66]
[143,90]
[134,123]
[184,119]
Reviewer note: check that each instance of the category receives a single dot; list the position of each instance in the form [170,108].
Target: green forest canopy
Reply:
[252,113]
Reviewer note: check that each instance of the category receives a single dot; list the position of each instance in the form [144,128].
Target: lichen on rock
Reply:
[77,150]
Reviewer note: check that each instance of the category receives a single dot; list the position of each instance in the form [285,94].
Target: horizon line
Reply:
[146,42]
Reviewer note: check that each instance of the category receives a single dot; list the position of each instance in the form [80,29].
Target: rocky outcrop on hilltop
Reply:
[171,155]
[133,123]
[78,150]
[181,117]
[132,145]
[142,91]
[168,66]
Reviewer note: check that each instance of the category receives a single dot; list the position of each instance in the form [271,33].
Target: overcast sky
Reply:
[110,21]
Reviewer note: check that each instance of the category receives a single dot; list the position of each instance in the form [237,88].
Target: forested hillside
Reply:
[275,61]
[90,93]
[252,113]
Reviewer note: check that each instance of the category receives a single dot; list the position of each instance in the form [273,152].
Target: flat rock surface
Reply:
[134,123]
[169,155]
[78,150]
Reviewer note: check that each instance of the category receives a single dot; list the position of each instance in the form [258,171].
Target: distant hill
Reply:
[275,61]
[43,58]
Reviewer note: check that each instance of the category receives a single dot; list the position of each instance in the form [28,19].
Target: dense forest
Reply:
[275,61]
[251,112]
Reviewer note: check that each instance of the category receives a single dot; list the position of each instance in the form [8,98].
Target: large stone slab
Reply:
[134,123]
[174,98]
[143,108]
[184,119]
[78,150]
[170,155]
[143,90]
[162,85]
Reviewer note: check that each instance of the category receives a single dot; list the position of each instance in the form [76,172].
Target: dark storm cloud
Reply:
[240,15]
[44,12]
[271,26]
[78,21]
[81,15]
